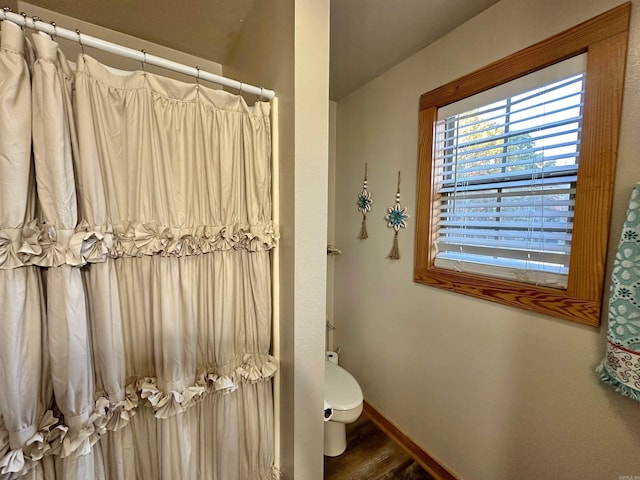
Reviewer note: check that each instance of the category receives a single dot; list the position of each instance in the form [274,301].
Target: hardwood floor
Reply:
[371,455]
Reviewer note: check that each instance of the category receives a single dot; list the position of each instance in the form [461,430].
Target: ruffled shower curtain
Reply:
[135,302]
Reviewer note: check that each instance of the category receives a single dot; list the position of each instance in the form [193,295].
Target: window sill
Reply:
[549,301]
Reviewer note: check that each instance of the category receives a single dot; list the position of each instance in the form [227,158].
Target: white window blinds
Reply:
[506,170]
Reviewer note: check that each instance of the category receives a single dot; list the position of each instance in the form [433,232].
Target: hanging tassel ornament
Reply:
[396,218]
[364,206]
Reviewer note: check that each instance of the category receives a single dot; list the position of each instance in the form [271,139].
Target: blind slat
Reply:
[551,226]
[505,252]
[531,194]
[513,182]
[482,177]
[479,233]
[449,205]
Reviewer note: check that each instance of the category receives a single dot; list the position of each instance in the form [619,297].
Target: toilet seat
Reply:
[342,391]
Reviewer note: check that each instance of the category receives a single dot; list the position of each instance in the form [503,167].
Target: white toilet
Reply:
[343,393]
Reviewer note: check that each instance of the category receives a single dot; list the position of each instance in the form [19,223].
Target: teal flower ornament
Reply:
[397,217]
[364,205]
[364,202]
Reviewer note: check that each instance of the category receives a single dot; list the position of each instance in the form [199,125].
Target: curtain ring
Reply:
[24,17]
[144,61]
[80,41]
[240,89]
[35,19]
[55,31]
[4,12]
[197,77]
[260,98]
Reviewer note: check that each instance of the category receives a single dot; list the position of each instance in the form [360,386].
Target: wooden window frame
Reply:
[604,38]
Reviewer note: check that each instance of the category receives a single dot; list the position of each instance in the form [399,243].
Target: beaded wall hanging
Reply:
[396,218]
[364,205]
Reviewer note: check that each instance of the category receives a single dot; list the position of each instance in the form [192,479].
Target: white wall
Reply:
[331,219]
[285,46]
[311,153]
[492,392]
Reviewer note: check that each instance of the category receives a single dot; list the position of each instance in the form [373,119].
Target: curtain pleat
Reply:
[68,334]
[135,282]
[23,354]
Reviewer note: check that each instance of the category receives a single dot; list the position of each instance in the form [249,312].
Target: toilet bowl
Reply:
[343,393]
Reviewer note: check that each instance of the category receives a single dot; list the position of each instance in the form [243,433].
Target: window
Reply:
[515,176]
[505,177]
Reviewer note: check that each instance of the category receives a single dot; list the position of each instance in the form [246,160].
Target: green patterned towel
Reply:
[621,366]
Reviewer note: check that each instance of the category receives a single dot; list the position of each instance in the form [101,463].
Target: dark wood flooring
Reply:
[372,455]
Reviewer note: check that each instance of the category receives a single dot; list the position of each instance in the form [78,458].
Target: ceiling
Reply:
[367,36]
[370,36]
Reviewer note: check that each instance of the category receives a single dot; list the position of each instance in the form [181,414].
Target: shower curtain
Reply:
[135,231]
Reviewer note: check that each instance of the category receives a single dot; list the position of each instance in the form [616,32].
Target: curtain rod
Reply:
[88,41]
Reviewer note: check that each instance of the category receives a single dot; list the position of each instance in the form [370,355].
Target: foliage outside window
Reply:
[515,182]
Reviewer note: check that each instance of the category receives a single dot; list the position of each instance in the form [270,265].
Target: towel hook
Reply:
[55,31]
[80,41]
